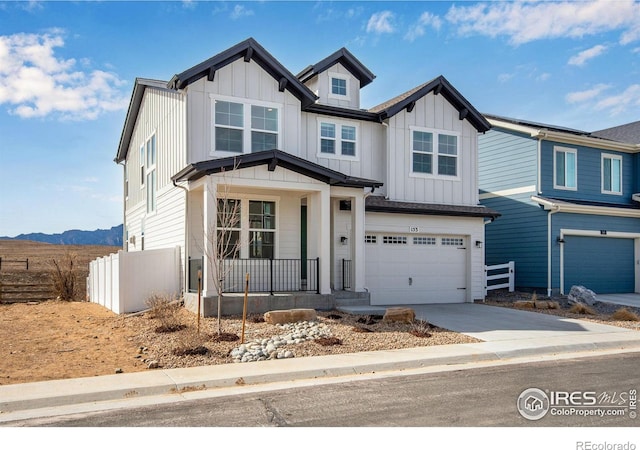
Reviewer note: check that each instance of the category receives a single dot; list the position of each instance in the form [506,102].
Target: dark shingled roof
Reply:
[344,57]
[272,158]
[376,203]
[628,133]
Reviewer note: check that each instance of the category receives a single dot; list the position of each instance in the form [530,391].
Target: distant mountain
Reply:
[76,237]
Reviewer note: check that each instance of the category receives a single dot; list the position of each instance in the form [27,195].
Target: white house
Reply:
[332,197]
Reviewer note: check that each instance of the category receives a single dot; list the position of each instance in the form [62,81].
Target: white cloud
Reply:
[586,95]
[619,103]
[381,22]
[418,29]
[543,76]
[240,11]
[36,83]
[581,58]
[504,77]
[526,21]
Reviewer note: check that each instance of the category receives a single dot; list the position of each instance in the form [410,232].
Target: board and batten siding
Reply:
[370,159]
[432,112]
[244,83]
[162,113]
[507,160]
[321,86]
[589,168]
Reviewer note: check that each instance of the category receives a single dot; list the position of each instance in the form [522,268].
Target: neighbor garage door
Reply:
[604,265]
[415,269]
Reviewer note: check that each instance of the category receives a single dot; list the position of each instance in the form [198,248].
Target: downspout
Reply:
[549,247]
[185,273]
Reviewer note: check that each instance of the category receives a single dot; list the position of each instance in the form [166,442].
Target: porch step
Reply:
[349,298]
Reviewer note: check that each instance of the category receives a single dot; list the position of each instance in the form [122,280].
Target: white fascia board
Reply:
[585,209]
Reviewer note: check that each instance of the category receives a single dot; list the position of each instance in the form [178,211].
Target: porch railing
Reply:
[346,274]
[272,275]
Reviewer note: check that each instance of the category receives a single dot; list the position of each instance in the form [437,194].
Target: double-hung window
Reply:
[338,140]
[565,175]
[611,174]
[262,226]
[228,222]
[151,175]
[244,128]
[434,153]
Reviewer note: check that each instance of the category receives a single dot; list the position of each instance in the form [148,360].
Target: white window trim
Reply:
[142,172]
[339,76]
[150,168]
[434,163]
[557,149]
[246,127]
[612,157]
[338,140]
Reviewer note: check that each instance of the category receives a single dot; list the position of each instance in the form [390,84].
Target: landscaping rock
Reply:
[580,294]
[290,316]
[406,315]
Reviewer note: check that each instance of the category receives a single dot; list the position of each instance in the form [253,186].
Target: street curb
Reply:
[57,393]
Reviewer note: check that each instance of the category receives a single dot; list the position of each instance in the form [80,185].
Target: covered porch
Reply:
[298,230]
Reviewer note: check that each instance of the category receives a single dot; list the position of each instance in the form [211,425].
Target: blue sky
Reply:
[67,70]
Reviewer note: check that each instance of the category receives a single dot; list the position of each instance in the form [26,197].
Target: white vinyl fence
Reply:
[504,272]
[123,281]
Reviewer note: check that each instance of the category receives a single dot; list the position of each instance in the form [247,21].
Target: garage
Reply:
[603,264]
[415,268]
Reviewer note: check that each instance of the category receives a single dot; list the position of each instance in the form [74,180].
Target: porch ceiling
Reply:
[273,159]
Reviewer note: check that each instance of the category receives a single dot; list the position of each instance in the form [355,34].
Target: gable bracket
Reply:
[410,106]
[248,55]
[282,84]
[438,89]
[211,73]
[463,113]
[272,164]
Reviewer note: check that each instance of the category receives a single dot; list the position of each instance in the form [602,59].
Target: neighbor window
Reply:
[611,174]
[434,153]
[338,139]
[240,128]
[151,175]
[566,168]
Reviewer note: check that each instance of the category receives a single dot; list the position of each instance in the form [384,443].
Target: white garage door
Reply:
[415,269]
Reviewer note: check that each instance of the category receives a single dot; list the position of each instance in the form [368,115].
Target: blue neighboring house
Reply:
[570,204]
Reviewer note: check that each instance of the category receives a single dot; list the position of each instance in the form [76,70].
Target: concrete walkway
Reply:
[620,299]
[507,334]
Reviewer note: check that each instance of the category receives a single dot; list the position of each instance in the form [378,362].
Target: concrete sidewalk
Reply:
[518,335]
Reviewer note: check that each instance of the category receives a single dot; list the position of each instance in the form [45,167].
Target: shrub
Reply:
[166,310]
[327,341]
[420,328]
[63,277]
[580,308]
[190,343]
[625,314]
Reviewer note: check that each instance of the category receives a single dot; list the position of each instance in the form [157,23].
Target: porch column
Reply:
[209,226]
[357,225]
[320,224]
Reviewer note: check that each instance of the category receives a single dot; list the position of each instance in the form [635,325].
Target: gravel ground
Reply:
[603,310]
[354,336]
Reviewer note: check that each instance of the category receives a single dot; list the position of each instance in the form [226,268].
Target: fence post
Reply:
[317,275]
[27,263]
[512,277]
[271,275]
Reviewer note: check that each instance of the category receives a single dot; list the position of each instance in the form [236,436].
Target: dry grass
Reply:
[579,308]
[625,315]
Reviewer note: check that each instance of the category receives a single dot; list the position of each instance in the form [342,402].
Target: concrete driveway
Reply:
[620,299]
[507,325]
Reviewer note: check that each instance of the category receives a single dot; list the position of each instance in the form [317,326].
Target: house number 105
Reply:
[414,229]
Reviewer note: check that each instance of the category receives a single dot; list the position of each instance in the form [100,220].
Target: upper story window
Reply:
[151,182]
[244,128]
[434,153]
[565,174]
[611,174]
[338,140]
[338,86]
